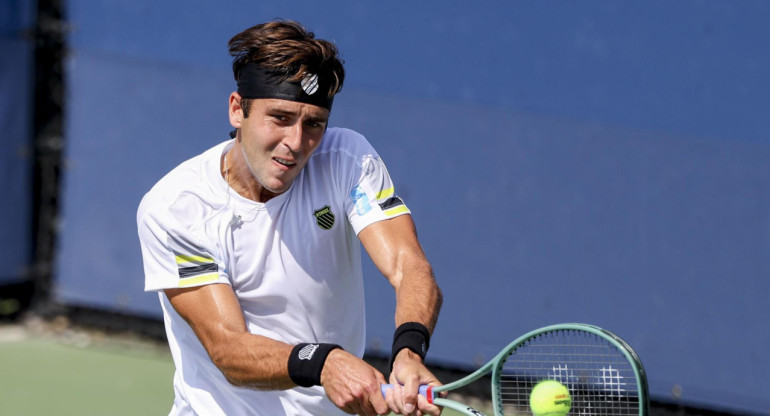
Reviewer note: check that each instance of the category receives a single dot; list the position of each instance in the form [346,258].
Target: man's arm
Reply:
[249,360]
[246,360]
[395,250]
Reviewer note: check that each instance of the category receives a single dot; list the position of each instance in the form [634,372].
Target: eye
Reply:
[316,124]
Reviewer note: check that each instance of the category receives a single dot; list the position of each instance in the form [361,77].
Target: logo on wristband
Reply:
[307,351]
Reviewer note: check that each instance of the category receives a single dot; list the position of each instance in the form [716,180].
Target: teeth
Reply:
[284,161]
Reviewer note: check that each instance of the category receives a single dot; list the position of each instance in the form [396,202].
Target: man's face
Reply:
[278,138]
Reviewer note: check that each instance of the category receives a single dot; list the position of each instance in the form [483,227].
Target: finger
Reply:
[379,404]
[398,399]
[428,408]
[369,397]
[364,408]
[390,399]
[379,401]
[410,393]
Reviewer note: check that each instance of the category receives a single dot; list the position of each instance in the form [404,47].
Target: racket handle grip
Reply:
[425,391]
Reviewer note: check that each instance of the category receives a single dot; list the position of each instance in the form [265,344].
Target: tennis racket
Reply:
[602,372]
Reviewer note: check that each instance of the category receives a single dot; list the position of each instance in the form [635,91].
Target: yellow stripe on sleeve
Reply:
[397,210]
[385,193]
[196,280]
[185,258]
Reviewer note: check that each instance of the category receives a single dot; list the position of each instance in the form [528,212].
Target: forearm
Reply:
[418,297]
[253,361]
[245,359]
[395,249]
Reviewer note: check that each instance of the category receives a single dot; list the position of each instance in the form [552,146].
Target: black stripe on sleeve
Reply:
[391,203]
[196,270]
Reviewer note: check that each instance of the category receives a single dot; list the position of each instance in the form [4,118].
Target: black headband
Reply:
[256,82]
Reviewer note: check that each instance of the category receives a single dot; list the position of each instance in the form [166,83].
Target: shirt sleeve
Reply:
[373,197]
[176,256]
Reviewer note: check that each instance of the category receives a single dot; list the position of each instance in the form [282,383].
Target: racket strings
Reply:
[600,379]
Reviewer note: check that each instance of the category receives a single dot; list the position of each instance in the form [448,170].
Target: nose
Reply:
[293,137]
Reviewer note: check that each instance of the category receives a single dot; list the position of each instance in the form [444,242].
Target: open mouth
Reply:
[284,162]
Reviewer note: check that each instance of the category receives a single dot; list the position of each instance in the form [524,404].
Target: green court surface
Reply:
[80,376]
[47,377]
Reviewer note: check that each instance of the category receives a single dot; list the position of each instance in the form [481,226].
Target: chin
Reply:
[279,186]
[274,185]
[278,189]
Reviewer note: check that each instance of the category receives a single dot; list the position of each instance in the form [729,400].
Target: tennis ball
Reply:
[550,398]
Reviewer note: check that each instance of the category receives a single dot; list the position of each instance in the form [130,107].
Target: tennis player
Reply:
[253,248]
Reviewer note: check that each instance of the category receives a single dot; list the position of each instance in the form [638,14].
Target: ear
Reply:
[235,110]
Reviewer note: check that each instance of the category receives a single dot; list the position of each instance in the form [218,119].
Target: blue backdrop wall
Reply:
[588,161]
[16,92]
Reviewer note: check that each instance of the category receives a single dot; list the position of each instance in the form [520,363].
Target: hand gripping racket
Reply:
[603,374]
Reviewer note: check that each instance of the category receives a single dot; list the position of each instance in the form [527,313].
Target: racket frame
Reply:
[495,366]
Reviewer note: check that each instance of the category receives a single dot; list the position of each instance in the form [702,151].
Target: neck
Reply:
[238,176]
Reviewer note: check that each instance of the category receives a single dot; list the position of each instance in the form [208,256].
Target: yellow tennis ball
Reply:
[550,398]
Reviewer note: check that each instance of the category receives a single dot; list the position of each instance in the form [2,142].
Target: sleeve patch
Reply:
[194,265]
[360,200]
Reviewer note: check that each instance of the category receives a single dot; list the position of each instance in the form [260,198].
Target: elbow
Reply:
[239,378]
[224,361]
[224,364]
[234,380]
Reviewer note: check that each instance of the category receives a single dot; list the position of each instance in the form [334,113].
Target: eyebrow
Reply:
[318,119]
[281,111]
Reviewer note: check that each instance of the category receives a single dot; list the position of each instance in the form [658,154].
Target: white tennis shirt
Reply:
[293,262]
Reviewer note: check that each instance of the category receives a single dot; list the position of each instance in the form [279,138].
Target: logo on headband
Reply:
[310,84]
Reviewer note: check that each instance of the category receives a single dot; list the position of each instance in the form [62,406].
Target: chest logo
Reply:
[324,218]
